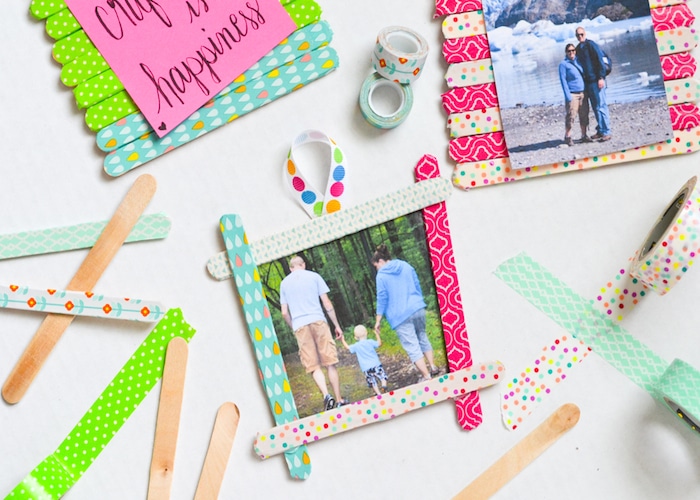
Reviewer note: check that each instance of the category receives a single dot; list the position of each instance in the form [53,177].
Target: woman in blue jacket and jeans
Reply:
[400,300]
[571,78]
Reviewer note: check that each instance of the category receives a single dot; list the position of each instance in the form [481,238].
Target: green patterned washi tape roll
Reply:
[678,390]
[262,332]
[53,477]
[395,113]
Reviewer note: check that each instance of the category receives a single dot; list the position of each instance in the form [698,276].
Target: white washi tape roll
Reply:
[385,104]
[400,54]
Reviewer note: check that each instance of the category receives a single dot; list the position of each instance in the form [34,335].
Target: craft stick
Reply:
[284,80]
[81,69]
[109,111]
[686,90]
[520,456]
[678,66]
[41,9]
[135,126]
[72,47]
[85,278]
[61,24]
[463,25]
[61,239]
[168,421]
[672,16]
[78,303]
[218,453]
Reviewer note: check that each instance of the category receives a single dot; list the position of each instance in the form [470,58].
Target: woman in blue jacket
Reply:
[571,78]
[400,300]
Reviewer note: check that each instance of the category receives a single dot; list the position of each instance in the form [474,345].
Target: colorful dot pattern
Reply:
[78,303]
[331,227]
[262,333]
[464,25]
[313,201]
[303,40]
[475,122]
[673,44]
[286,79]
[53,477]
[148,227]
[596,330]
[377,409]
[397,65]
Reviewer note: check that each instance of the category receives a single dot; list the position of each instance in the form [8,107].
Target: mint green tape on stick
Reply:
[262,333]
[287,79]
[53,477]
[60,239]
[72,47]
[41,9]
[675,386]
[310,37]
[61,24]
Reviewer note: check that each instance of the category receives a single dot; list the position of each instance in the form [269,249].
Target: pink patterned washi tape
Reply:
[461,99]
[285,437]
[444,7]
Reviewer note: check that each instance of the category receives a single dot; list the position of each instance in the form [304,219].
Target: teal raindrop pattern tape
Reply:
[53,477]
[262,333]
[61,239]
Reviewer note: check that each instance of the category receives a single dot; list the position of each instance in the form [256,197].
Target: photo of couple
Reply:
[575,84]
[358,316]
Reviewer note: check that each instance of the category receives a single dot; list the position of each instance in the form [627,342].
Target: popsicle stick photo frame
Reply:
[413,224]
[478,145]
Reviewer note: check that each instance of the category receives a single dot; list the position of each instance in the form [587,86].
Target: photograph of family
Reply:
[589,78]
[357,317]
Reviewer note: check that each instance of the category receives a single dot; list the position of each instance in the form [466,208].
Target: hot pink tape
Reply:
[444,7]
[478,147]
[467,99]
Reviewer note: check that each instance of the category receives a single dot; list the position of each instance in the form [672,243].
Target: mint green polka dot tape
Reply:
[53,477]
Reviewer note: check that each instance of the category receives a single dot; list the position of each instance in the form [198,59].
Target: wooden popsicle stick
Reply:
[520,455]
[218,453]
[89,272]
[168,421]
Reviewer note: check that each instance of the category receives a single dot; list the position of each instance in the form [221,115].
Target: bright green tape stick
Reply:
[61,24]
[53,477]
[72,47]
[41,9]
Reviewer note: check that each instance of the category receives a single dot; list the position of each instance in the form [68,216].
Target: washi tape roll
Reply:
[399,54]
[374,107]
[680,383]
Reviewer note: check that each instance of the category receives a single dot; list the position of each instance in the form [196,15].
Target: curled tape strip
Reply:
[312,201]
[400,54]
[664,257]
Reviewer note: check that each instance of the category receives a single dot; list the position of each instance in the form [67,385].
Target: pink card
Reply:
[174,55]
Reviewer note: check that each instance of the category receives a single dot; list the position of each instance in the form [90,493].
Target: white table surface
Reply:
[580,225]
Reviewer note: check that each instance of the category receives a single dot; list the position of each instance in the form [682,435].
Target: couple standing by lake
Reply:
[582,74]
[304,298]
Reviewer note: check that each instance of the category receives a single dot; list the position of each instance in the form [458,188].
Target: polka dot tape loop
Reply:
[313,201]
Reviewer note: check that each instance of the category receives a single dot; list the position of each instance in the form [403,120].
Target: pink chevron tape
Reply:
[457,347]
[463,99]
[471,48]
[478,147]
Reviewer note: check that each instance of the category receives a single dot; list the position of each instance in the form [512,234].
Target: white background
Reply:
[581,225]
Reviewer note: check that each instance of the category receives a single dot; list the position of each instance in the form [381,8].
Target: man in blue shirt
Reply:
[590,57]
[571,78]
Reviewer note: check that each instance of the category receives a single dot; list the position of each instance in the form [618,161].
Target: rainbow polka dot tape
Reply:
[283,438]
[313,201]
[400,54]
[376,111]
[666,254]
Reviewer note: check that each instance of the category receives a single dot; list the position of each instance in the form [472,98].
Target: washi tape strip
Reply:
[310,37]
[399,54]
[72,47]
[376,409]
[442,261]
[666,254]
[676,40]
[444,7]
[609,340]
[474,148]
[61,239]
[41,9]
[81,69]
[315,203]
[678,66]
[334,226]
[672,16]
[478,121]
[78,303]
[470,48]
[469,73]
[262,332]
[683,90]
[286,79]
[54,476]
[464,25]
[61,24]
[462,99]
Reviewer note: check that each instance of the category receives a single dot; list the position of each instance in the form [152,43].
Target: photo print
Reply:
[576,83]
[324,302]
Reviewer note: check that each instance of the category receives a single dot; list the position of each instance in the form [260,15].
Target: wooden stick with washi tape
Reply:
[218,453]
[78,303]
[168,421]
[520,456]
[95,263]
[75,237]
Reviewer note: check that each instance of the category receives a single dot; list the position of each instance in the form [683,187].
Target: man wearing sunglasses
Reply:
[590,57]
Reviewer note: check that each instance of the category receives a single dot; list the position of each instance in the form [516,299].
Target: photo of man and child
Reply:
[357,317]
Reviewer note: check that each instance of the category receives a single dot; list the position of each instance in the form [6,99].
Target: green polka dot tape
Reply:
[53,477]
